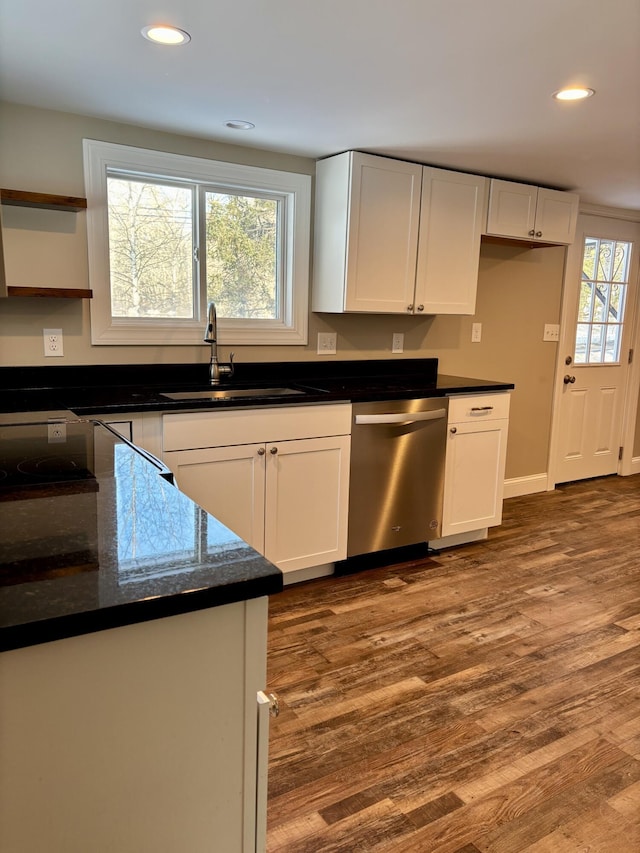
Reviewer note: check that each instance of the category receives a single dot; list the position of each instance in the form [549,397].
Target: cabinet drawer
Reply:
[189,430]
[479,407]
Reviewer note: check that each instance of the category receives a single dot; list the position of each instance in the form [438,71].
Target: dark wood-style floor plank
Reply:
[483,700]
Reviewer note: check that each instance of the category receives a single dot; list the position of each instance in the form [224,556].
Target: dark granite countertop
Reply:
[126,546]
[114,544]
[112,389]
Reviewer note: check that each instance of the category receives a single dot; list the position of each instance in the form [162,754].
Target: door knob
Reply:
[569,380]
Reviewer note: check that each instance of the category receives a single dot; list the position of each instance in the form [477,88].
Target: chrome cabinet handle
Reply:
[532,233]
[453,430]
[273,450]
[261,451]
[481,408]
[538,233]
[409,307]
[420,307]
[274,705]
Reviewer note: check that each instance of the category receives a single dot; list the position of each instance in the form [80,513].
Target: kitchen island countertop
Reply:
[113,543]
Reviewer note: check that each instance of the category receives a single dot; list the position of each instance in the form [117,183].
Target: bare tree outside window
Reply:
[150,249]
[168,233]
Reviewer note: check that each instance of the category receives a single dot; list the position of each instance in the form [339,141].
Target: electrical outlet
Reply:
[56,433]
[397,342]
[327,343]
[476,333]
[52,342]
[551,332]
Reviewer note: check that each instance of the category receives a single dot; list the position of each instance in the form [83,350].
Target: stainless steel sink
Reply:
[214,394]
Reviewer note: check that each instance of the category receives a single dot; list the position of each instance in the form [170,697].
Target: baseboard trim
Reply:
[459,538]
[299,575]
[635,465]
[529,485]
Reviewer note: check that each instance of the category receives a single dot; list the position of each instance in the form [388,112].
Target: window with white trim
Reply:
[169,233]
[602,301]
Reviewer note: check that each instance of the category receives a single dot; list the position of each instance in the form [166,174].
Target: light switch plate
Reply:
[551,332]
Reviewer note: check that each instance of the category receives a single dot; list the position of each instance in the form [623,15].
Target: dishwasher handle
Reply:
[402,417]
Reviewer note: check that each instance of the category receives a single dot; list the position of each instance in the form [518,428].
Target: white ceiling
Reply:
[464,84]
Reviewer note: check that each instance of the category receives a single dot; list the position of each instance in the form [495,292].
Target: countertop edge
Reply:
[14,637]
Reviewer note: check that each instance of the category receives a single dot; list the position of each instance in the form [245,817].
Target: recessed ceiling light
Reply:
[574,93]
[238,124]
[162,34]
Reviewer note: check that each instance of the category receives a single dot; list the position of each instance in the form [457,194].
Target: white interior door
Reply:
[593,360]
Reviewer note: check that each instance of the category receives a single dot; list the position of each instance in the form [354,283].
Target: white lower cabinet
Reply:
[286,497]
[148,738]
[475,462]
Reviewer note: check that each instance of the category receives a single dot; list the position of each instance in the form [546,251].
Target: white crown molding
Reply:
[611,212]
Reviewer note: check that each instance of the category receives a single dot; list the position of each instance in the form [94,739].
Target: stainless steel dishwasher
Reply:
[397,473]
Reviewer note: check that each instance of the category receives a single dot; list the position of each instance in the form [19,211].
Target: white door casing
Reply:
[594,409]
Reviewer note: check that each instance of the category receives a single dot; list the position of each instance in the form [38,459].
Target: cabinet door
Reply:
[556,216]
[306,502]
[384,212]
[229,483]
[512,210]
[139,739]
[474,476]
[452,216]
[383,234]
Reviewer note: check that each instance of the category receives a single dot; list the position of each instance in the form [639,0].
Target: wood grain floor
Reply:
[484,700]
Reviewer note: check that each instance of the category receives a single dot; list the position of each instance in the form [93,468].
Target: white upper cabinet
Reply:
[366,234]
[393,237]
[452,217]
[534,214]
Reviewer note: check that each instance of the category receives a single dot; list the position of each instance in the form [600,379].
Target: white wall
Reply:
[518,291]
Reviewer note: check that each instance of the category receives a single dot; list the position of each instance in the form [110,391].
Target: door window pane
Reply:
[599,325]
[612,346]
[605,258]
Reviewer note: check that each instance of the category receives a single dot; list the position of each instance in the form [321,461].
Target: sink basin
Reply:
[214,394]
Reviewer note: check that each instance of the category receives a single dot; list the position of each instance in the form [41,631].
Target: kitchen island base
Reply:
[138,739]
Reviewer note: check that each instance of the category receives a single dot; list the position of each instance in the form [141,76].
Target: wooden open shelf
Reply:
[48,201]
[55,292]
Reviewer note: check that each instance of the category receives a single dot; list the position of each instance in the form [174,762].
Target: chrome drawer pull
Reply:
[481,408]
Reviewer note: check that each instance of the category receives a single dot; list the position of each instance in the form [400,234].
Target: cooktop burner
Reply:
[32,454]
[54,467]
